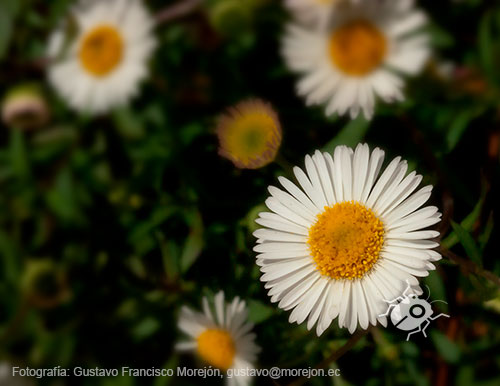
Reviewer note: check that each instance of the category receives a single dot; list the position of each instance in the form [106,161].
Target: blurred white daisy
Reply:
[347,240]
[222,338]
[99,56]
[311,11]
[361,54]
[8,379]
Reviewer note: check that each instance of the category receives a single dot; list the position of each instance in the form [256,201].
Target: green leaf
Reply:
[258,311]
[18,154]
[485,236]
[5,29]
[485,44]
[440,37]
[194,242]
[128,123]
[11,264]
[190,132]
[466,224]
[459,125]
[159,216]
[61,198]
[437,288]
[170,256]
[147,327]
[447,349]
[172,363]
[351,134]
[468,243]
[465,376]
[9,9]
[415,373]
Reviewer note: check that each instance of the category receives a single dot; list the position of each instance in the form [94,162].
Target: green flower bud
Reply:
[230,17]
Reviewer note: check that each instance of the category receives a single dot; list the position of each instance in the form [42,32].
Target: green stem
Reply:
[176,11]
[469,266]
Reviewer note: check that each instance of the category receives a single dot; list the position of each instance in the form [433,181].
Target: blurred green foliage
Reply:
[109,225]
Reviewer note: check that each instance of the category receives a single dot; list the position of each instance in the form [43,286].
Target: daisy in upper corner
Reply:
[311,11]
[360,54]
[346,239]
[99,56]
[222,337]
[249,134]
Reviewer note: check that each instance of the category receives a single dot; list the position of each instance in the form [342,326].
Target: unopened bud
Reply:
[24,107]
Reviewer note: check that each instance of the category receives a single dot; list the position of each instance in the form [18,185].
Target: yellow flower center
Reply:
[101,50]
[357,48]
[250,137]
[345,241]
[216,347]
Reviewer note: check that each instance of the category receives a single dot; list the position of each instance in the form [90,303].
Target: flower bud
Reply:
[24,107]
[44,284]
[230,17]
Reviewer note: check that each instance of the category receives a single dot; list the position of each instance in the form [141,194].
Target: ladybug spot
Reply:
[417,310]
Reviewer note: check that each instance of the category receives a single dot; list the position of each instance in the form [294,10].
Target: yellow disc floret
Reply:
[357,48]
[249,134]
[101,50]
[345,241]
[216,347]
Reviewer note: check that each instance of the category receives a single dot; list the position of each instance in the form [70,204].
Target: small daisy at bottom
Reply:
[222,337]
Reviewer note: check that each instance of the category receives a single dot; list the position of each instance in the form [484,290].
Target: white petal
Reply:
[298,194]
[361,305]
[280,269]
[360,170]
[324,177]
[282,225]
[299,290]
[411,204]
[376,160]
[316,196]
[306,215]
[271,235]
[219,307]
[382,181]
[313,175]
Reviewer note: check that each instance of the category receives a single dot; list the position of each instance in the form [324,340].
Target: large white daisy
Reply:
[361,54]
[222,339]
[347,239]
[100,64]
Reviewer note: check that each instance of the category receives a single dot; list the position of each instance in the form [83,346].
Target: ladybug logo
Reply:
[410,313]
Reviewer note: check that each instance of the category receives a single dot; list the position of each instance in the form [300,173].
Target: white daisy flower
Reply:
[361,54]
[101,66]
[311,11]
[347,239]
[222,338]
